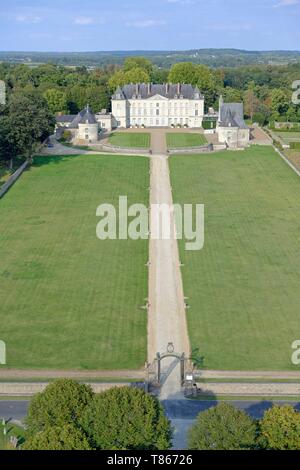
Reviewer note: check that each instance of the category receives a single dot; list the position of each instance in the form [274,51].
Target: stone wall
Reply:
[13,179]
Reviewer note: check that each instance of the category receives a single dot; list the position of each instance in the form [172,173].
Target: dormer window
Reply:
[139,97]
[197,96]
[181,97]
[133,97]
[176,96]
[118,96]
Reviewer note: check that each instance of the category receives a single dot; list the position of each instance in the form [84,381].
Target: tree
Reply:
[62,402]
[280,429]
[56,99]
[126,419]
[279,102]
[66,437]
[222,428]
[183,72]
[251,103]
[25,122]
[134,75]
[138,62]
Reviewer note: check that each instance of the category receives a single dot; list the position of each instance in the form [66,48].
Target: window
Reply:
[86,137]
[196,112]
[157,112]
[157,105]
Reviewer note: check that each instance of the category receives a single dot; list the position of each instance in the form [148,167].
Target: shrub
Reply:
[280,429]
[61,403]
[126,418]
[222,428]
[66,437]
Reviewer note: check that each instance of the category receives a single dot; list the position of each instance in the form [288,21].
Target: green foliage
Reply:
[134,75]
[222,428]
[56,99]
[62,437]
[25,122]
[280,429]
[61,403]
[138,62]
[126,419]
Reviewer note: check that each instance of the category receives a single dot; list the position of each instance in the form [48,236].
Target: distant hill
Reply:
[211,57]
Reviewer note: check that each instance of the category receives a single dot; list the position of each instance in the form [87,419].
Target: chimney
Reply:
[137,89]
[167,88]
[149,88]
[178,88]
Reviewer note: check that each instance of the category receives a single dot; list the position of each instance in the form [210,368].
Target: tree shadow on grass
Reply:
[42,160]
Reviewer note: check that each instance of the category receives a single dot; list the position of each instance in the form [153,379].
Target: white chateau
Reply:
[148,105]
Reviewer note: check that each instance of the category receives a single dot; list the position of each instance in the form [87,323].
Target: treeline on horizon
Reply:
[164,59]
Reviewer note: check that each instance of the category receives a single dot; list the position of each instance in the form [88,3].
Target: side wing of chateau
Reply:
[165,105]
[231,127]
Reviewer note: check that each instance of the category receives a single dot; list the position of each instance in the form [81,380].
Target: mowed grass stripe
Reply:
[130,139]
[243,287]
[185,139]
[67,299]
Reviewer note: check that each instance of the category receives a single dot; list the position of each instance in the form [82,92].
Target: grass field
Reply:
[130,139]
[185,139]
[67,299]
[243,287]
[288,137]
[12,431]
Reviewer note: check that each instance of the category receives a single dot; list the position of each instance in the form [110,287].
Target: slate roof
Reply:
[65,118]
[145,90]
[232,115]
[83,117]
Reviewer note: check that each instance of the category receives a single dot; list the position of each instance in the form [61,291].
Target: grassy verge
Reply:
[130,139]
[69,300]
[181,139]
[243,286]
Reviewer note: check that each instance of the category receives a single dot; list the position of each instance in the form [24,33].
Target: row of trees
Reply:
[69,416]
[226,428]
[265,90]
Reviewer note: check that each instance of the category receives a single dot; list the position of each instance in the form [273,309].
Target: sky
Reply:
[98,25]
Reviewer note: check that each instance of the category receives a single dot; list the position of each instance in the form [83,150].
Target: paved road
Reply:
[13,409]
[182,414]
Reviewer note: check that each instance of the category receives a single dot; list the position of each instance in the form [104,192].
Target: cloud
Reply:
[145,23]
[286,3]
[31,19]
[84,20]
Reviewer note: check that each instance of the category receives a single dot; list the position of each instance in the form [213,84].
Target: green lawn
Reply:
[130,139]
[11,431]
[243,287]
[67,299]
[185,139]
[288,137]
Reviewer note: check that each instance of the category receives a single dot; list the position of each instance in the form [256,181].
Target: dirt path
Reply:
[167,320]
[71,374]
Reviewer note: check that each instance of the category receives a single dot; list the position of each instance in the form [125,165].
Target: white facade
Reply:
[145,108]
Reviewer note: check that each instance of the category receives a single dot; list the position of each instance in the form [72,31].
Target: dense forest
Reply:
[36,94]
